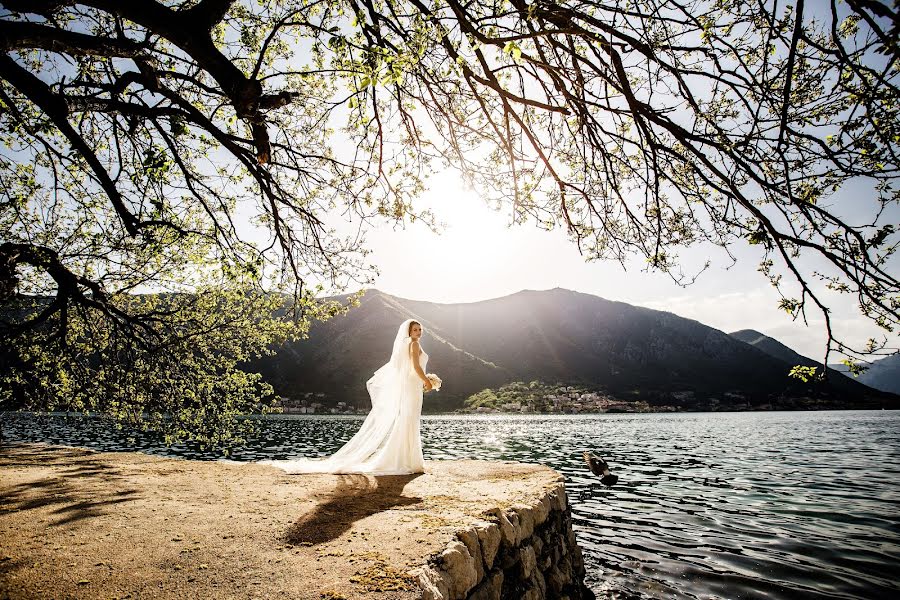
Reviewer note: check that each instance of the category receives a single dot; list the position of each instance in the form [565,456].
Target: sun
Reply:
[467,254]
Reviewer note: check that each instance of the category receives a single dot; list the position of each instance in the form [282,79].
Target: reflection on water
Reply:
[709,505]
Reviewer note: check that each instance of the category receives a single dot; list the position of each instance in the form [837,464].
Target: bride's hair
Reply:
[409,329]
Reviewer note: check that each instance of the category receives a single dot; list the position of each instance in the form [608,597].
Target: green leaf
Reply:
[804,373]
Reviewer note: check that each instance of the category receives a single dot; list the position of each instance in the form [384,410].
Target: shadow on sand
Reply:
[355,497]
[72,489]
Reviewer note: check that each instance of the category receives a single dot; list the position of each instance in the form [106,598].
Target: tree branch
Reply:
[15,35]
[55,108]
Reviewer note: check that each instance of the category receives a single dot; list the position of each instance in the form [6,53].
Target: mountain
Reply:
[341,354]
[772,347]
[556,335]
[882,374]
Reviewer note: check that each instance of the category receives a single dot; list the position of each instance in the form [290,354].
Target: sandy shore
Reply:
[81,524]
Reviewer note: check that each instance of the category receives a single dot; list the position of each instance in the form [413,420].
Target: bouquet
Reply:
[435,381]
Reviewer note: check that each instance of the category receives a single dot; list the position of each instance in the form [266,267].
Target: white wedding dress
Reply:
[389,440]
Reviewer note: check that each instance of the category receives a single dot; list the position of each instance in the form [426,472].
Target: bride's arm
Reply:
[416,351]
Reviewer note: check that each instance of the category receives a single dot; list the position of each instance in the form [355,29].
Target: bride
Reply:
[388,443]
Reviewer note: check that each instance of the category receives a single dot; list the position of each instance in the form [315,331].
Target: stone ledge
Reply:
[82,524]
[525,552]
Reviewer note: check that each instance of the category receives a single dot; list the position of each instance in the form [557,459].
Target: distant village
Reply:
[316,403]
[514,397]
[565,400]
[538,397]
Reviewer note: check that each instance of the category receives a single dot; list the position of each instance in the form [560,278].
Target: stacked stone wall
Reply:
[518,553]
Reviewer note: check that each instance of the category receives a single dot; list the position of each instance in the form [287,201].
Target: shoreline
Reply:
[585,413]
[84,524]
[502,413]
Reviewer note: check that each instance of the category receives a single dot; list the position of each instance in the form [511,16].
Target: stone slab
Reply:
[76,523]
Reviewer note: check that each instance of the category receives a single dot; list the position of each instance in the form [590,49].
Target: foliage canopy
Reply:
[139,138]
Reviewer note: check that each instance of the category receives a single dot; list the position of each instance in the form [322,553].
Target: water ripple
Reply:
[709,505]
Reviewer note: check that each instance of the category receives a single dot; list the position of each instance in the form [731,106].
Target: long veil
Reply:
[390,384]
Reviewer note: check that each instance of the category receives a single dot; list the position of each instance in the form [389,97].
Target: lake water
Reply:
[708,505]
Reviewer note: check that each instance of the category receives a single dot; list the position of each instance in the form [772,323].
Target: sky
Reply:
[478,256]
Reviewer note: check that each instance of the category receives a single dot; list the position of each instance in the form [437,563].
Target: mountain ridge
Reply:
[883,374]
[555,335]
[773,347]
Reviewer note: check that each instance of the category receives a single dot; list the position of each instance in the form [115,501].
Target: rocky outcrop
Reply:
[524,552]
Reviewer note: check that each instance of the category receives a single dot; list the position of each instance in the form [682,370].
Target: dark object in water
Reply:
[598,466]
